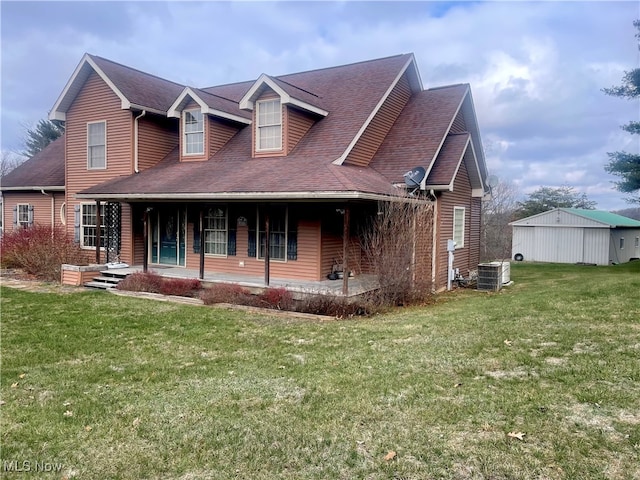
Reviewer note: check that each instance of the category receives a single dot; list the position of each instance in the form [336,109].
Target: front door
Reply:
[168,232]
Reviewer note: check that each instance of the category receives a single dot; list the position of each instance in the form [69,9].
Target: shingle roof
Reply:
[419,132]
[44,170]
[140,88]
[602,216]
[449,158]
[307,168]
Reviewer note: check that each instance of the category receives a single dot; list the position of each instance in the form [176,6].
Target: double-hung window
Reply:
[89,226]
[23,215]
[458,226]
[269,129]
[215,231]
[193,128]
[97,145]
[277,234]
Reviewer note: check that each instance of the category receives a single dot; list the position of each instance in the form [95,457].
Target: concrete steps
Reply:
[106,280]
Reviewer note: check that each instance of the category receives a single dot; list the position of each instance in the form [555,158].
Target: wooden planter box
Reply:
[78,275]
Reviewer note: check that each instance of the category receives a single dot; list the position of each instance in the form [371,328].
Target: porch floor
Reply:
[357,285]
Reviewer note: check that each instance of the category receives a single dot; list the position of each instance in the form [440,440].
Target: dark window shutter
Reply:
[232,224]
[292,240]
[196,236]
[76,223]
[15,216]
[251,250]
[30,216]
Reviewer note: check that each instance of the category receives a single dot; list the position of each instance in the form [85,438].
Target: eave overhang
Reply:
[248,101]
[188,93]
[34,188]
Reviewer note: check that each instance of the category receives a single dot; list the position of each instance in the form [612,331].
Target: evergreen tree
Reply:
[623,164]
[45,132]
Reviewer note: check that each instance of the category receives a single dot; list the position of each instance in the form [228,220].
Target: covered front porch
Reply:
[357,285]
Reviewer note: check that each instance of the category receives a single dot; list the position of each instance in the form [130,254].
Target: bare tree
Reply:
[497,211]
[397,244]
[9,161]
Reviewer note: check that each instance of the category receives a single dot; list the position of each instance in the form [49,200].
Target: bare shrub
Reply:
[39,250]
[398,246]
[276,298]
[338,307]
[227,293]
[154,283]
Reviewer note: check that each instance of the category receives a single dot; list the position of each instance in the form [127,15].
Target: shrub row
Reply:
[38,250]
[154,283]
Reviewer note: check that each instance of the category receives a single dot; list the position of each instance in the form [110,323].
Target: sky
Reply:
[536,69]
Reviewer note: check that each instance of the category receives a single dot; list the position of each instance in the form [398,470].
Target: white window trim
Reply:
[20,223]
[226,233]
[184,133]
[637,242]
[459,244]
[82,225]
[89,167]
[621,243]
[286,238]
[258,126]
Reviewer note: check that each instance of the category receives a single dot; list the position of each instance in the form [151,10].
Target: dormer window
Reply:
[269,125]
[193,128]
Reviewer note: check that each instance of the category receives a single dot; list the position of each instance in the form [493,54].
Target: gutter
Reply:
[248,196]
[57,188]
[53,207]
[135,141]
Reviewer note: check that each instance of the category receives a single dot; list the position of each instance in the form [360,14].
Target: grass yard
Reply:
[108,387]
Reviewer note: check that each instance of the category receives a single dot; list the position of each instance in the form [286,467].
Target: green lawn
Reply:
[125,388]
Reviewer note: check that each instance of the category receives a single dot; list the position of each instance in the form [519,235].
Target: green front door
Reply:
[168,232]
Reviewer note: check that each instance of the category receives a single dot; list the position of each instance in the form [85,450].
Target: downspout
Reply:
[135,141]
[53,206]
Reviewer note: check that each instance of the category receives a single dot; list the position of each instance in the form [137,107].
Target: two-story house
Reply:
[257,178]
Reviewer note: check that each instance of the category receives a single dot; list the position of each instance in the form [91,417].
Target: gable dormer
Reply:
[207,123]
[282,115]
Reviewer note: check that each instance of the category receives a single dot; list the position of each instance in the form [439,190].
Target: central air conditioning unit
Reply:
[490,276]
[506,270]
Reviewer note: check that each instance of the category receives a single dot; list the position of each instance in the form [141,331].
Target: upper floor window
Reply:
[458,226]
[215,231]
[269,125]
[193,128]
[97,145]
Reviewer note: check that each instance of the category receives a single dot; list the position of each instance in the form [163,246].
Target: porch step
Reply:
[107,279]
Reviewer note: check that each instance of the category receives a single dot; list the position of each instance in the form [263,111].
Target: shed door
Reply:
[559,245]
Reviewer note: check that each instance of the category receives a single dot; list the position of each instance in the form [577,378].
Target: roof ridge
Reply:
[136,70]
[214,95]
[442,87]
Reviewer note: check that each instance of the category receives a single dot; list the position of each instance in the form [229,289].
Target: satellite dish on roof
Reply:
[413,178]
[492,181]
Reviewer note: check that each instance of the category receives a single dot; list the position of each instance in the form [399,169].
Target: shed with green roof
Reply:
[574,235]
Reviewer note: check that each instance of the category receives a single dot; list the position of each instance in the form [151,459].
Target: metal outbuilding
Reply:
[573,235]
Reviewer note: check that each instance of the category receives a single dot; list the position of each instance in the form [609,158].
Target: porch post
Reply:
[266,247]
[345,252]
[145,240]
[98,236]
[201,243]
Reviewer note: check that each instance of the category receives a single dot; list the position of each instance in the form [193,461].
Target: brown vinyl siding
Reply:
[459,125]
[157,136]
[42,207]
[459,197]
[298,124]
[304,268]
[371,139]
[97,102]
[220,132]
